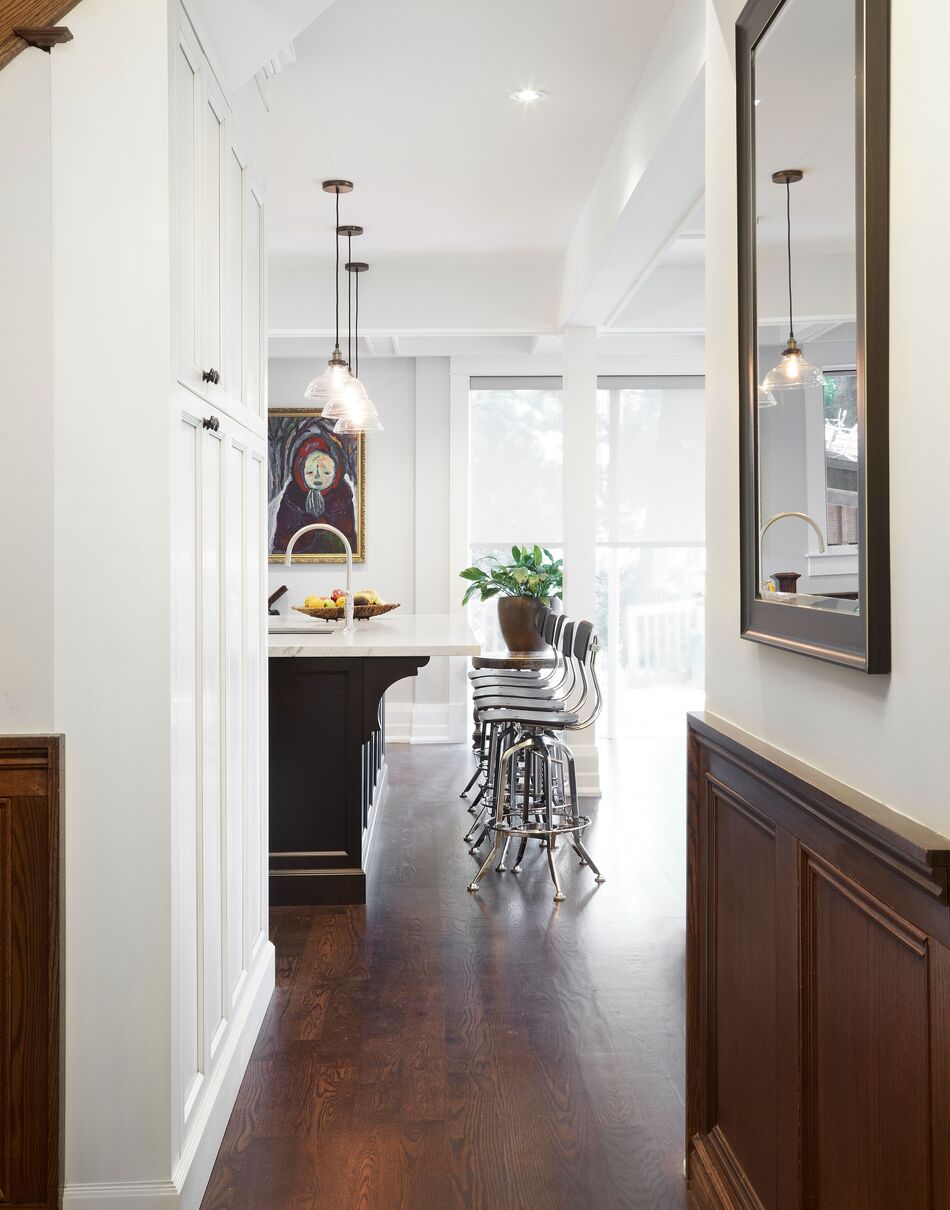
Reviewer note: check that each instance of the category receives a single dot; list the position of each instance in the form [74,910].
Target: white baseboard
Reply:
[398,722]
[430,723]
[426,723]
[156,1195]
[187,1186]
[587,767]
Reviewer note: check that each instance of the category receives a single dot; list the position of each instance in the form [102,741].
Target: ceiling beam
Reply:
[650,183]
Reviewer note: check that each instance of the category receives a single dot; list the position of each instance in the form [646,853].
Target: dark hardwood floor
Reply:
[439,1050]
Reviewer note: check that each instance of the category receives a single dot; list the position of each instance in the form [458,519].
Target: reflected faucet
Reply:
[348,627]
[802,517]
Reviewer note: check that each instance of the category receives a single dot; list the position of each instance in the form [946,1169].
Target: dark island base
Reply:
[327,772]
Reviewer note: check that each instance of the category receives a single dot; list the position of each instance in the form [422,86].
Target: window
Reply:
[517,479]
[841,457]
[651,555]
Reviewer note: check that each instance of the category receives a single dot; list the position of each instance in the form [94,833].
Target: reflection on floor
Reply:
[438,1050]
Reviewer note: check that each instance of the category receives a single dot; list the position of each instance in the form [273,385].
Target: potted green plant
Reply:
[533,579]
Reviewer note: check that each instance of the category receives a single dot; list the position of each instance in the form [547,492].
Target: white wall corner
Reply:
[398,722]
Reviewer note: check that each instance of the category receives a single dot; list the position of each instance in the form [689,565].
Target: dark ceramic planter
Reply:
[518,619]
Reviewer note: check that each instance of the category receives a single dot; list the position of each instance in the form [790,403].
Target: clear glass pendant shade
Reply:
[359,413]
[766,398]
[793,373]
[330,385]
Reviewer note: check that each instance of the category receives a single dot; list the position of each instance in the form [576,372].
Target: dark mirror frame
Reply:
[862,642]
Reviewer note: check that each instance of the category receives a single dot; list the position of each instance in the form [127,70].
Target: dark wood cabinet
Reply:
[818,953]
[29,971]
[327,762]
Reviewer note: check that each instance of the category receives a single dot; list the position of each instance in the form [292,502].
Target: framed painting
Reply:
[314,474]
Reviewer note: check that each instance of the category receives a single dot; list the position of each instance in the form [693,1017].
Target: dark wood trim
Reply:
[30,984]
[21,17]
[818,988]
[855,642]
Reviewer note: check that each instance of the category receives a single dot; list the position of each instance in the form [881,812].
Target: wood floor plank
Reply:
[438,1050]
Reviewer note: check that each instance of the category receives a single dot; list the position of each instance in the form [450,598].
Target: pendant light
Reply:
[359,411]
[766,398]
[328,387]
[335,408]
[793,372]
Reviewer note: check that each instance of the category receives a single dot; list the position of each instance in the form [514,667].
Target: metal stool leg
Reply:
[549,823]
[503,772]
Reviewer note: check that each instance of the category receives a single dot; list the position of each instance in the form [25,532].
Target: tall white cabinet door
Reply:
[219,732]
[187,781]
[213,149]
[186,180]
[235,330]
[245,714]
[255,393]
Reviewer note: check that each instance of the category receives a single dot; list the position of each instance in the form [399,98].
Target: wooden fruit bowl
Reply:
[337,615]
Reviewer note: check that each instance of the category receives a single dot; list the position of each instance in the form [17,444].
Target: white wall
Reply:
[111,360]
[26,398]
[884,735]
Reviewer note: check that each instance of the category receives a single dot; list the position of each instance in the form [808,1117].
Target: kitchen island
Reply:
[328,770]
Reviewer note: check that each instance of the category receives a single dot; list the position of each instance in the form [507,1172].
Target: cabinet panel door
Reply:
[213,146]
[254,279]
[212,723]
[188,102]
[186,746]
[243,870]
[235,191]
[237,737]
[255,664]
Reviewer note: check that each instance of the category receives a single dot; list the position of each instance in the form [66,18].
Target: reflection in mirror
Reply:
[806,309]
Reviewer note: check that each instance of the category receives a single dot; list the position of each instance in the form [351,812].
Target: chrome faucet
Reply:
[802,517]
[348,627]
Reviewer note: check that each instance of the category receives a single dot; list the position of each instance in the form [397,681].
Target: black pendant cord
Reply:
[337,345]
[349,301]
[788,228]
[356,326]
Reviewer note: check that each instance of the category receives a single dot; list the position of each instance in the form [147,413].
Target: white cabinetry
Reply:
[218,209]
[219,900]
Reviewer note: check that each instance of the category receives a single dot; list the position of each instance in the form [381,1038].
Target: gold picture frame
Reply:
[302,452]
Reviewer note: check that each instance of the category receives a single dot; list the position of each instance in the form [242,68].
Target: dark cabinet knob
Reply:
[211,376]
[212,423]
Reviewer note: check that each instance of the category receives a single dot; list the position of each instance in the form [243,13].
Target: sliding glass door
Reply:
[517,477]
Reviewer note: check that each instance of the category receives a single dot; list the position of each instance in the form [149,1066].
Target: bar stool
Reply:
[487,681]
[532,733]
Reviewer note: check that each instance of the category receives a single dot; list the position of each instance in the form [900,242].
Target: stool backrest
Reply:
[549,626]
[583,640]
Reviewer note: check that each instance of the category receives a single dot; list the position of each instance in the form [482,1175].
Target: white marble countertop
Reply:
[393,634]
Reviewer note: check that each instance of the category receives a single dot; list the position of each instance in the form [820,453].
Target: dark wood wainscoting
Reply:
[29,971]
[818,1016]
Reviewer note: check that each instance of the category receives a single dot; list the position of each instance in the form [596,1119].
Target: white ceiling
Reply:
[410,100]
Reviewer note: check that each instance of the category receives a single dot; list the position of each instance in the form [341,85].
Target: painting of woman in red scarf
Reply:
[314,475]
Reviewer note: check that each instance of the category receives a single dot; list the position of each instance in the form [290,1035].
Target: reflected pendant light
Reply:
[329,385]
[337,405]
[766,398]
[793,372]
[359,411]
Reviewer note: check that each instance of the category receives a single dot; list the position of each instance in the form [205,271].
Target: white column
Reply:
[580,510]
[430,712]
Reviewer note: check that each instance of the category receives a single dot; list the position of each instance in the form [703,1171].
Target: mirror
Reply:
[813,317]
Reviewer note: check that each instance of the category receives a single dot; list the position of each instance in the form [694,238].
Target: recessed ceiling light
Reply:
[529,96]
